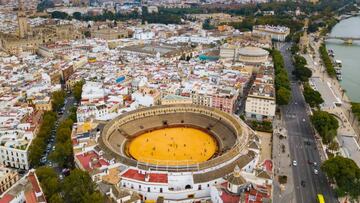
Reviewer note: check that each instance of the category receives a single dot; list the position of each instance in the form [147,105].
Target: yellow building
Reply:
[41,103]
[8,177]
[109,33]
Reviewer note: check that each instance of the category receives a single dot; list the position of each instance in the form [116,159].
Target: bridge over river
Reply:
[347,40]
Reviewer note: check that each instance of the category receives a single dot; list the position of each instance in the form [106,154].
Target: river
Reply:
[349,55]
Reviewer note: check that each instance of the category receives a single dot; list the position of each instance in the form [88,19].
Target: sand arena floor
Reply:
[173,146]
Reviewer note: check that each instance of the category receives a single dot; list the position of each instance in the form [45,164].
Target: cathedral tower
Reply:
[22,20]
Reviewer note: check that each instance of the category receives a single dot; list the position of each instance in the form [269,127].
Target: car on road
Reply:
[294,163]
[303,183]
[316,171]
[303,119]
[43,160]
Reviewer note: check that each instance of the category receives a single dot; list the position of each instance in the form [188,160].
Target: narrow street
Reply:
[68,104]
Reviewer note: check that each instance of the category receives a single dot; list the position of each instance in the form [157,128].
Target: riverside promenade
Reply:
[349,131]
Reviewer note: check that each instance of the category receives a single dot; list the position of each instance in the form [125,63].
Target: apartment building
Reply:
[260,103]
[278,33]
[8,177]
[14,145]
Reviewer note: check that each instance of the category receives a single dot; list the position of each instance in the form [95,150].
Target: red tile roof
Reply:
[229,198]
[75,142]
[153,177]
[253,196]
[34,182]
[268,165]
[30,197]
[6,199]
[86,158]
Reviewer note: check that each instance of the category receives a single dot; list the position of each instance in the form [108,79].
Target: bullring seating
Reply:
[224,127]
[222,132]
[223,171]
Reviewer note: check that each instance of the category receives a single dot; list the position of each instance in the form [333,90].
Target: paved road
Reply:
[69,102]
[302,144]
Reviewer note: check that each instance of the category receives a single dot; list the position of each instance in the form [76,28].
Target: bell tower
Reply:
[22,20]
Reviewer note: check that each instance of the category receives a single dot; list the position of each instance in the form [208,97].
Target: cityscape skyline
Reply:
[176,101]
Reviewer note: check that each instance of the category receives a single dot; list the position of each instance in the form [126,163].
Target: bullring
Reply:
[230,135]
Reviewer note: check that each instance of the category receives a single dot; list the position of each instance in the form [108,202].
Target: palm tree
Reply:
[343,91]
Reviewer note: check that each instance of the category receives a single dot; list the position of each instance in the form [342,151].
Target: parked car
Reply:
[43,159]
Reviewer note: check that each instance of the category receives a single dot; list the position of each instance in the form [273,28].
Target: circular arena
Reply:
[175,138]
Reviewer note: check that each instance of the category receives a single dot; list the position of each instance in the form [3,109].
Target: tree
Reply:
[78,187]
[58,99]
[72,115]
[326,60]
[56,198]
[207,24]
[326,125]
[95,197]
[334,146]
[77,15]
[38,145]
[245,25]
[355,108]
[282,83]
[59,15]
[49,180]
[36,151]
[63,153]
[301,72]
[62,134]
[283,96]
[77,90]
[294,48]
[312,97]
[346,174]
[87,34]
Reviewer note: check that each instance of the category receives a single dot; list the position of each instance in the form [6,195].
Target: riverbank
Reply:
[347,135]
[348,54]
[350,125]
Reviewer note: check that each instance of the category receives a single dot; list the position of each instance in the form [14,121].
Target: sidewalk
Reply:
[281,160]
